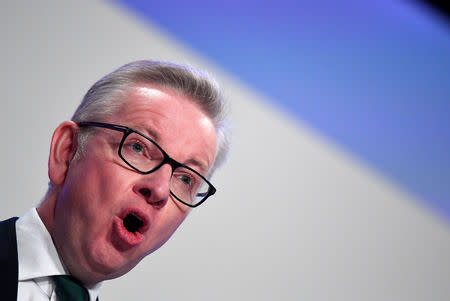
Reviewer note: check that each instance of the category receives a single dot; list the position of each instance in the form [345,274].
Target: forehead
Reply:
[173,120]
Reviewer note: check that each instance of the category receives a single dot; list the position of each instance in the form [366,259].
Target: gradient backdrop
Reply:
[338,183]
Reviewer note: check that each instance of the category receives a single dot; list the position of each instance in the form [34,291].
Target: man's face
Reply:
[100,190]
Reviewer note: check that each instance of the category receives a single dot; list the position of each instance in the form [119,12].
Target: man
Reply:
[124,173]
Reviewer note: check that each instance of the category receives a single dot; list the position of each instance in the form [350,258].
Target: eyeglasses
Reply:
[145,156]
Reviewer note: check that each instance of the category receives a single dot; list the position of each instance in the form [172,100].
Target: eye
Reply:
[185,179]
[137,148]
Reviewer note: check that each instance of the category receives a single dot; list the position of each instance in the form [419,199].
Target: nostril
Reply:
[152,197]
[145,192]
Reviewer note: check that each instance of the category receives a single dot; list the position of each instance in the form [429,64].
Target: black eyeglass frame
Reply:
[167,159]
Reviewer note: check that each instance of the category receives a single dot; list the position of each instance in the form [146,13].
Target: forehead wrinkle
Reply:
[149,126]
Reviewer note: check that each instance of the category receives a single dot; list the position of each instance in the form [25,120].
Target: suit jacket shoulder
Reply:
[9,267]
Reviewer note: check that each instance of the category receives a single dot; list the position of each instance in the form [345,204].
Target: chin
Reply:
[105,262]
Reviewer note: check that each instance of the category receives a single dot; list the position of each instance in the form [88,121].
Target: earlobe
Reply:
[62,150]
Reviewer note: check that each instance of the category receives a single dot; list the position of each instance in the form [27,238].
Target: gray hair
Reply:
[104,98]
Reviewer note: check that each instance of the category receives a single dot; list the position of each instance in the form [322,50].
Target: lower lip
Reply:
[125,237]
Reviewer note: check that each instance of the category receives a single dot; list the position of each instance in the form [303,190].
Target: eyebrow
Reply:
[149,132]
[203,167]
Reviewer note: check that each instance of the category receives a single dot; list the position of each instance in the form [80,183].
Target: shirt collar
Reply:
[36,252]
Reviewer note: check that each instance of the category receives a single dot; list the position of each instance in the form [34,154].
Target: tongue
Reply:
[132,223]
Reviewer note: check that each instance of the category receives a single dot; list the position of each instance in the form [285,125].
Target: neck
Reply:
[46,209]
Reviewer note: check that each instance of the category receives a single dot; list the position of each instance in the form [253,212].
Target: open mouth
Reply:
[129,228]
[132,222]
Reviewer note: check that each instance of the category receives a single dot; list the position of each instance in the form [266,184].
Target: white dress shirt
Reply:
[38,260]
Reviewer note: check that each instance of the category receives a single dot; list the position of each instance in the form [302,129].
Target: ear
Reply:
[62,150]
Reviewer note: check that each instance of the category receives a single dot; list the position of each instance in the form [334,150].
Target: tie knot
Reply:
[70,289]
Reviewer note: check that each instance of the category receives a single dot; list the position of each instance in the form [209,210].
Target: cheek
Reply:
[167,223]
[176,213]
[104,179]
[94,189]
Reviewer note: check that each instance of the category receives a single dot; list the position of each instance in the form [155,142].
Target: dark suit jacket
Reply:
[9,266]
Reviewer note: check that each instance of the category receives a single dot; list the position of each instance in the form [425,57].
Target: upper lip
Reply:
[140,214]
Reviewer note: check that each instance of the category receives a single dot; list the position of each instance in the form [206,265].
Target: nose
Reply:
[154,188]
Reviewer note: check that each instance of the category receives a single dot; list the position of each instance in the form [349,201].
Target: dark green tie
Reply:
[70,289]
